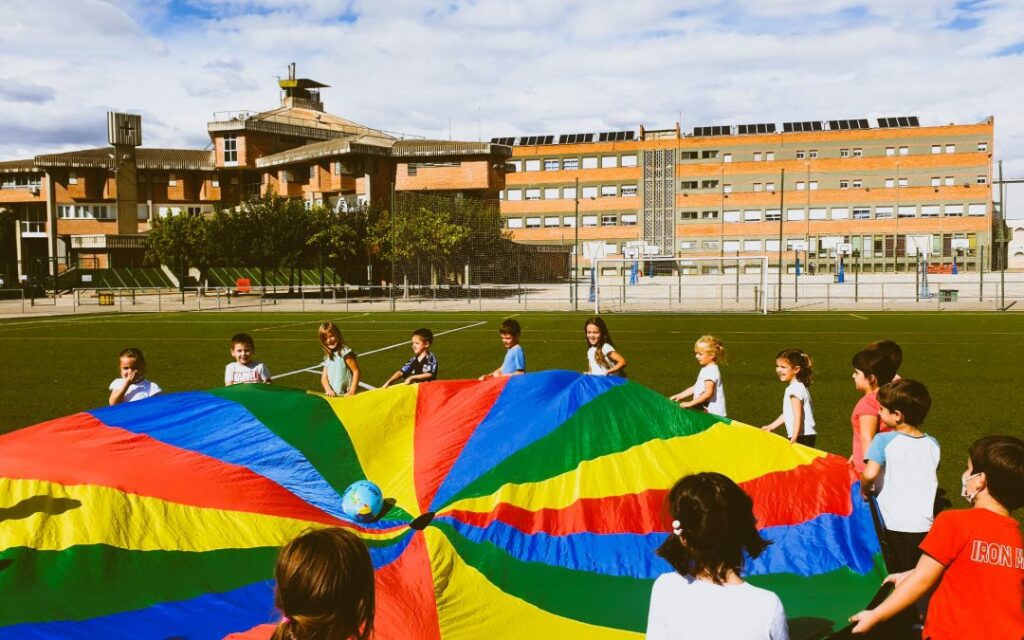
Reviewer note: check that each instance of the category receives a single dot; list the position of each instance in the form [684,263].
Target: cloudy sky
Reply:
[494,68]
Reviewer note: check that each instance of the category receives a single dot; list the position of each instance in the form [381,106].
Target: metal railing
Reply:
[710,294]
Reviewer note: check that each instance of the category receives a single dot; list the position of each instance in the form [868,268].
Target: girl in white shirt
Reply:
[132,384]
[793,367]
[602,357]
[706,598]
[708,392]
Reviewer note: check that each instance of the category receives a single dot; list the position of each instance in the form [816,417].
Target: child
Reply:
[340,376]
[422,366]
[901,468]
[793,367]
[132,385]
[713,525]
[602,357]
[871,369]
[324,587]
[515,360]
[892,351]
[244,369]
[708,392]
[973,555]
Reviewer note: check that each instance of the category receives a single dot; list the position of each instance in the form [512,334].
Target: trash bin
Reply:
[106,298]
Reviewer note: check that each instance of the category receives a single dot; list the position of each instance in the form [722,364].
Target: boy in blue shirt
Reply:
[515,360]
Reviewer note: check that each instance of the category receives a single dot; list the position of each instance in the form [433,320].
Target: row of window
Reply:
[604,220]
[109,212]
[86,211]
[572,164]
[20,181]
[810,154]
[867,246]
[413,167]
[841,213]
[844,183]
[569,193]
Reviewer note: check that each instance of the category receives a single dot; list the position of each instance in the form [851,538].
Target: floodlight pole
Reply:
[576,249]
[782,215]
[1003,254]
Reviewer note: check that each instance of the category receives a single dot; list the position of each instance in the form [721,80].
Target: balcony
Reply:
[106,242]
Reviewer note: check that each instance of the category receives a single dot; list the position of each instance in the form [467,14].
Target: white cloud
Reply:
[504,68]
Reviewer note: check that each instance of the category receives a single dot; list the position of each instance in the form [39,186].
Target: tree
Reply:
[424,232]
[265,220]
[332,238]
[180,242]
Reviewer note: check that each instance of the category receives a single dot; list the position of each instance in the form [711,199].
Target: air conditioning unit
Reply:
[34,190]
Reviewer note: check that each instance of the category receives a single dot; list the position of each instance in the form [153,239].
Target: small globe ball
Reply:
[362,501]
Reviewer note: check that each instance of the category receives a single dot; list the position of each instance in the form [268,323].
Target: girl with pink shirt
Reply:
[872,368]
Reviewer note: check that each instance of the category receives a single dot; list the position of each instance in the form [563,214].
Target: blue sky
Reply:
[496,68]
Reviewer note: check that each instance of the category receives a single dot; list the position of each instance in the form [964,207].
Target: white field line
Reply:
[316,368]
[856,316]
[306,322]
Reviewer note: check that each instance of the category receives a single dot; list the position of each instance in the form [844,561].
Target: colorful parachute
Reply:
[528,506]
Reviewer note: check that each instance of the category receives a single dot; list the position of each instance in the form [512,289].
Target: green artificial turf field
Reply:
[969,361]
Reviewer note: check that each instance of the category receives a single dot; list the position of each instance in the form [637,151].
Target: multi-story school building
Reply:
[92,207]
[880,194]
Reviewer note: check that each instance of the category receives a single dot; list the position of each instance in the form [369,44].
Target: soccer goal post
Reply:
[704,284]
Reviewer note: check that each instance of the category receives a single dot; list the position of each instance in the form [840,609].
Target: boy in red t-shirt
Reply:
[976,556]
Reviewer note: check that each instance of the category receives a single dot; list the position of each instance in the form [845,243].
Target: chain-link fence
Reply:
[460,242]
[652,294]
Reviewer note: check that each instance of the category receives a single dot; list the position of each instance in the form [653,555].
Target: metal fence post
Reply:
[981,276]
[883,296]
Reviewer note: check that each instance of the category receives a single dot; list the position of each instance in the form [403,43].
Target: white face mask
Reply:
[963,488]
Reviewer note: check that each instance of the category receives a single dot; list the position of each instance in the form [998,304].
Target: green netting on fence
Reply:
[118,278]
[229,277]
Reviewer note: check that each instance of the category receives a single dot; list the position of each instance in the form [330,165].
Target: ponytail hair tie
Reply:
[677,528]
[286,620]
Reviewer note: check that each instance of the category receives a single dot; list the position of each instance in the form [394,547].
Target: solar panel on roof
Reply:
[615,136]
[575,138]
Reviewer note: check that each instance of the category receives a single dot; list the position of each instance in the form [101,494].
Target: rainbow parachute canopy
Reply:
[526,505]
